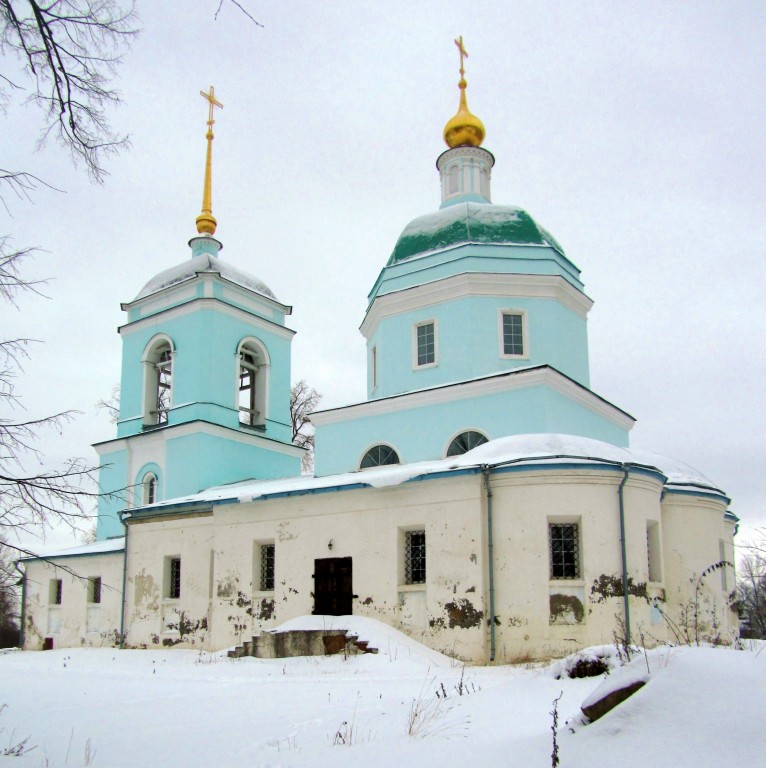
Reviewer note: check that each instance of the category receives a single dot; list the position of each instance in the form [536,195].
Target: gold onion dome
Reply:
[464,129]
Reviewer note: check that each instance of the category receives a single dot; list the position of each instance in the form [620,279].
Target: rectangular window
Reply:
[565,550]
[653,550]
[513,334]
[267,568]
[55,590]
[173,577]
[94,589]
[414,557]
[374,367]
[426,344]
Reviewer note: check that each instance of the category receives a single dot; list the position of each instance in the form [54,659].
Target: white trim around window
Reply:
[521,313]
[416,366]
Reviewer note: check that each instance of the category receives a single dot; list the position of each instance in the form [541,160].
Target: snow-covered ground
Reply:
[700,707]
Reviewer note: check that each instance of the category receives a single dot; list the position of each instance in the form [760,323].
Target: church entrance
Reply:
[332,586]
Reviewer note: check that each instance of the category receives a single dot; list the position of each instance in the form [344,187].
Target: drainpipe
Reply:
[124,584]
[22,618]
[626,471]
[485,470]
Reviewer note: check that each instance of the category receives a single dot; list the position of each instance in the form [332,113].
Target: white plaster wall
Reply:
[152,618]
[221,605]
[524,505]
[693,528]
[72,625]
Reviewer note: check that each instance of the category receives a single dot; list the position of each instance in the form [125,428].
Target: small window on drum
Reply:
[465,442]
[379,456]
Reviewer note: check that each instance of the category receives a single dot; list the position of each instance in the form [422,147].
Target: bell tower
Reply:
[205,384]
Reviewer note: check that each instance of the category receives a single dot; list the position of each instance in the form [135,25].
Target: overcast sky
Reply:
[634,132]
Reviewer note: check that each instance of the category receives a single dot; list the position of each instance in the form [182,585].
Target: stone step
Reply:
[301,642]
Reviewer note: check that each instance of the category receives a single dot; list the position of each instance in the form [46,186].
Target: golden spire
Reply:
[206,222]
[464,129]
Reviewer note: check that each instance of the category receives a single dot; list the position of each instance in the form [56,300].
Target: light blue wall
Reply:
[204,389]
[423,434]
[198,461]
[469,343]
[192,462]
[112,478]
[205,370]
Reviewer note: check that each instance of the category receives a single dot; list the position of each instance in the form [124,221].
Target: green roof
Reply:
[470,223]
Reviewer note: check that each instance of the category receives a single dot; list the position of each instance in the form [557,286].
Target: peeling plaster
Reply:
[566,609]
[461,613]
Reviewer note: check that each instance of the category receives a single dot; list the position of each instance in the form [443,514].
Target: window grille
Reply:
[55,591]
[94,589]
[415,557]
[465,442]
[379,456]
[513,337]
[565,551]
[164,381]
[248,370]
[174,582]
[267,567]
[426,344]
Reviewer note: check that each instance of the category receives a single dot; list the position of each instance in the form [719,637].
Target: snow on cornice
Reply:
[547,449]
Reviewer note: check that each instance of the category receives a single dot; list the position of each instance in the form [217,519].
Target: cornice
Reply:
[475,284]
[194,427]
[196,304]
[490,385]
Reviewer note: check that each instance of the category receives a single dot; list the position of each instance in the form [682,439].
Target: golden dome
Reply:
[464,129]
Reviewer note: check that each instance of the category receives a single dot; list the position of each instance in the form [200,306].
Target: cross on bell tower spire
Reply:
[206,222]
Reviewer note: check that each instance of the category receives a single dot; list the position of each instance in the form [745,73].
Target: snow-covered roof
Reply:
[205,262]
[94,548]
[470,223]
[547,448]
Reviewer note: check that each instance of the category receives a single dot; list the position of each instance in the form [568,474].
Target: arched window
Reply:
[149,489]
[465,442]
[253,362]
[158,364]
[379,456]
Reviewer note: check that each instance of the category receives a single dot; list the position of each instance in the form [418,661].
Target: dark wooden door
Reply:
[332,586]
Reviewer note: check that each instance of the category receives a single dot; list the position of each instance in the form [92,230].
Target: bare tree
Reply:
[303,402]
[751,588]
[9,599]
[30,500]
[68,51]
[111,404]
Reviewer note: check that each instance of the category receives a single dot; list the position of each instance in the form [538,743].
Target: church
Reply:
[483,499]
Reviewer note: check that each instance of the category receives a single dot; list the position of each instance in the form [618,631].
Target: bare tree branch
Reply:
[751,587]
[303,402]
[111,404]
[70,50]
[30,501]
[241,8]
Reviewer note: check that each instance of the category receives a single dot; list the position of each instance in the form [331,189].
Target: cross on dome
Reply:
[464,129]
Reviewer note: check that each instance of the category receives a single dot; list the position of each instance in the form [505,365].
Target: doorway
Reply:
[333,586]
